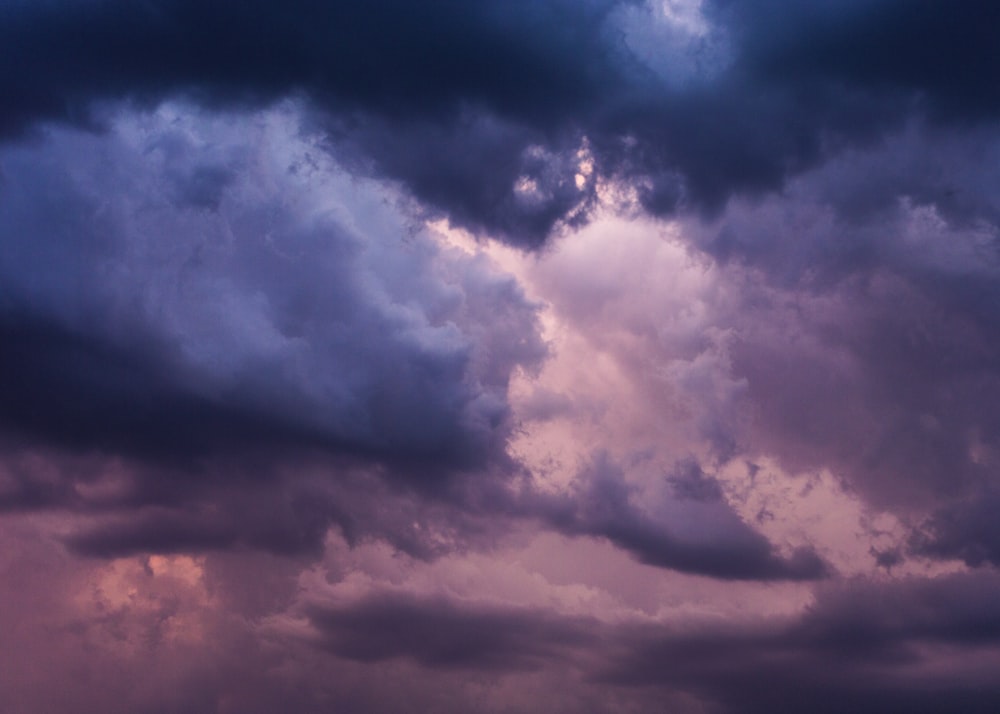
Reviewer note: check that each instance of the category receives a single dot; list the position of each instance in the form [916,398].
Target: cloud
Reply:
[865,332]
[219,340]
[915,644]
[185,624]
[703,535]
[925,643]
[439,634]
[963,529]
[427,94]
[887,48]
[294,308]
[244,370]
[710,426]
[527,61]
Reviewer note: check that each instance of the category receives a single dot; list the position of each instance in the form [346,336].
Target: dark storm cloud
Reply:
[530,186]
[223,505]
[220,340]
[79,391]
[413,67]
[429,93]
[157,307]
[156,532]
[438,633]
[883,207]
[924,645]
[689,482]
[766,93]
[248,502]
[723,546]
[933,52]
[966,529]
[807,81]
[251,503]
[205,310]
[910,645]
[519,58]
[215,339]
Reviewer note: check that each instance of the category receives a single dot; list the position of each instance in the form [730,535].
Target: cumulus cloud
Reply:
[216,337]
[184,286]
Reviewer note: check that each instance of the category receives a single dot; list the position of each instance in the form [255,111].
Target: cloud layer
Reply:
[428,94]
[562,355]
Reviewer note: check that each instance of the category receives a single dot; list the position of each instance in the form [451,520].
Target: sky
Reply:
[500,356]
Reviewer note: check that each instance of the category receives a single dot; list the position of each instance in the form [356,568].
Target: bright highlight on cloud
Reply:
[562,355]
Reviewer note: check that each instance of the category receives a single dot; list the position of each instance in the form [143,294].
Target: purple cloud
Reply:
[539,355]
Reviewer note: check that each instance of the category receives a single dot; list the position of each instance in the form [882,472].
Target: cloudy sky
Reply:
[499,356]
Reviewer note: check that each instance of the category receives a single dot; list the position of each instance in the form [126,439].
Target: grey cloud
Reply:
[286,507]
[884,645]
[723,546]
[919,52]
[441,634]
[397,69]
[907,645]
[530,187]
[878,387]
[866,329]
[219,338]
[965,529]
[142,323]
[426,94]
[195,306]
[151,635]
[689,482]
[866,645]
